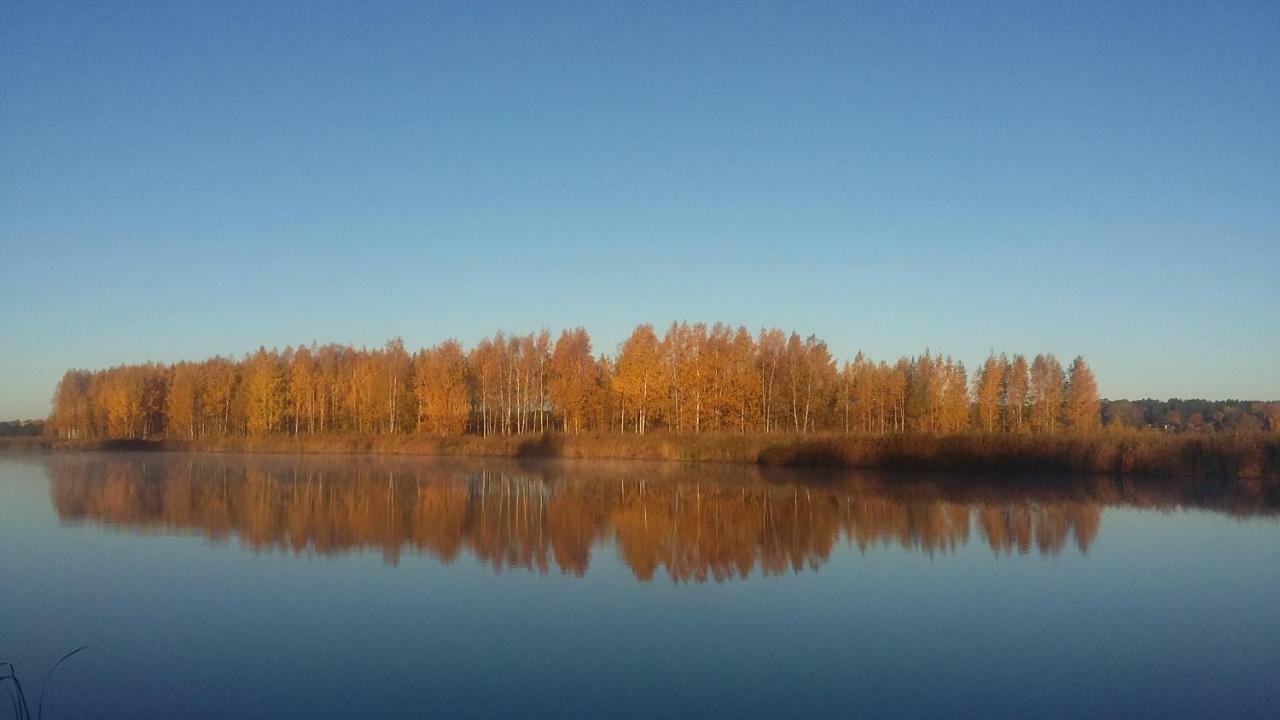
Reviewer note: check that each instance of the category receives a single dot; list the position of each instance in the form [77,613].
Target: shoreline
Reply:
[1235,456]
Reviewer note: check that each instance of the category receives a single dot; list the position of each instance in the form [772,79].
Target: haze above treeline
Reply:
[693,378]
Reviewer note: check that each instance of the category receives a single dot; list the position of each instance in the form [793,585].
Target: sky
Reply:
[179,180]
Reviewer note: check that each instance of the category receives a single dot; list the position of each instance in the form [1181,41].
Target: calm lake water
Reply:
[273,586]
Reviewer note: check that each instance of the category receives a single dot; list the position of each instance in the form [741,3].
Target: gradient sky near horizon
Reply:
[179,180]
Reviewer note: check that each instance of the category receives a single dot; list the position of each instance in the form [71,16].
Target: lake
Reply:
[279,586]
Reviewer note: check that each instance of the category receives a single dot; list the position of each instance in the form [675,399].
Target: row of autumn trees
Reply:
[693,379]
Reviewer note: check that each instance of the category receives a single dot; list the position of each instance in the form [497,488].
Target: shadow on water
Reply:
[692,522]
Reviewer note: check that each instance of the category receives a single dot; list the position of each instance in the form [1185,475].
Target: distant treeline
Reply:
[694,379]
[21,428]
[1193,415]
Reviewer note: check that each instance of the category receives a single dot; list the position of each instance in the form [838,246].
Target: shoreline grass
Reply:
[1252,456]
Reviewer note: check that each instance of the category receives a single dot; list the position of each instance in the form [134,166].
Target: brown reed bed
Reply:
[1254,456]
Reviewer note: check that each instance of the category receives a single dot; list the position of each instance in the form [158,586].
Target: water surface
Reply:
[273,586]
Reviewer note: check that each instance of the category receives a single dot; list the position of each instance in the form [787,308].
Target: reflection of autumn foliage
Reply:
[1047,526]
[693,523]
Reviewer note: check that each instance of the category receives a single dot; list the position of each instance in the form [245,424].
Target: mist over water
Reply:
[320,586]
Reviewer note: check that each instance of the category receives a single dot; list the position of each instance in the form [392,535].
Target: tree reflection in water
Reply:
[689,522]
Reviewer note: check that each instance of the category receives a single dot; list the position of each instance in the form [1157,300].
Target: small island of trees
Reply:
[693,381]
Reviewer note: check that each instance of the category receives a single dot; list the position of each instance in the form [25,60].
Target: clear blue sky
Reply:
[185,179]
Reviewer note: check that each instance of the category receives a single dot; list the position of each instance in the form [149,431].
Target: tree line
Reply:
[1193,415]
[695,378]
[21,428]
